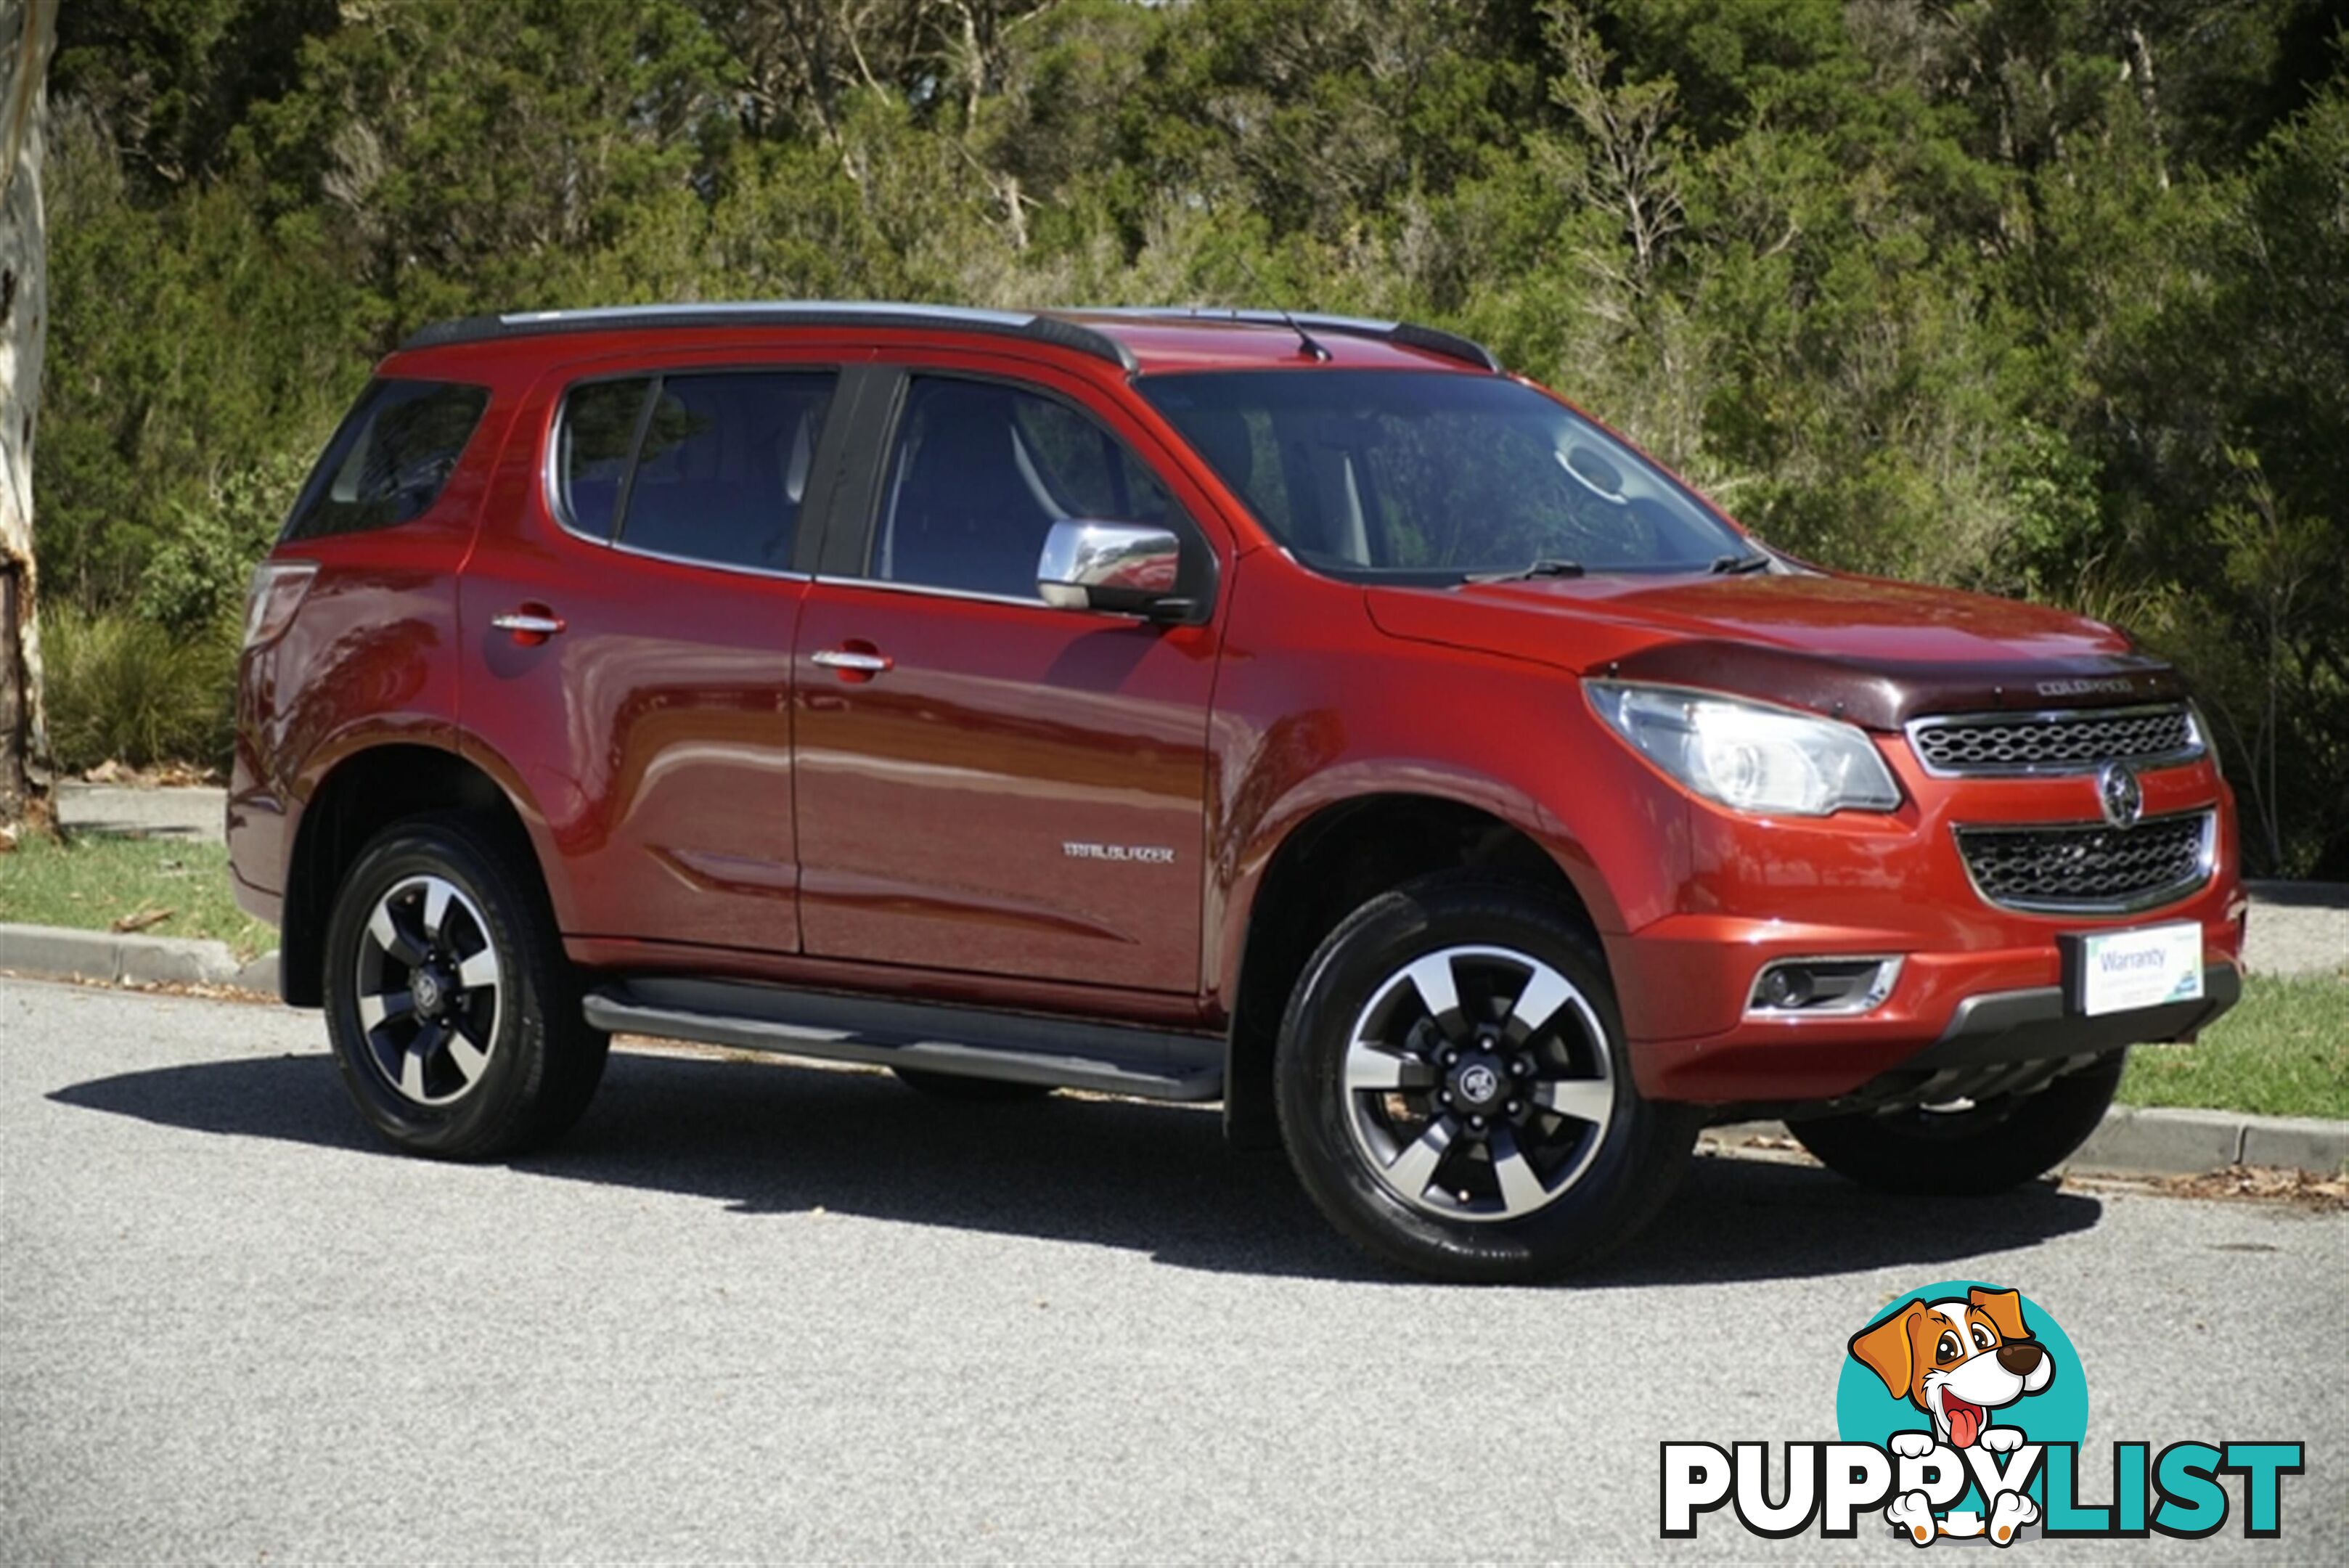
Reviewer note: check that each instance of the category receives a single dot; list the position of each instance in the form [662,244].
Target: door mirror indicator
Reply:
[1125,566]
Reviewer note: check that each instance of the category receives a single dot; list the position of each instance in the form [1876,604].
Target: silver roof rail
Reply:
[1034,325]
[1055,327]
[1404,334]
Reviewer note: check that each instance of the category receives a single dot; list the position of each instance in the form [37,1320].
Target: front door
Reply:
[985,782]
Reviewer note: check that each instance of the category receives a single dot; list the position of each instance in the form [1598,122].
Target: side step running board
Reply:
[1020,1048]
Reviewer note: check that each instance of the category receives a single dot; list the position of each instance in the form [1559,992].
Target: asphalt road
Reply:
[763,1312]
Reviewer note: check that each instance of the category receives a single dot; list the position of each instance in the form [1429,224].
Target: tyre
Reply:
[969,1090]
[454,1015]
[1968,1151]
[1454,1092]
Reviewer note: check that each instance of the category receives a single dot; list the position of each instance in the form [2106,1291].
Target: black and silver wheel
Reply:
[1454,1091]
[427,989]
[1966,1149]
[454,1015]
[1478,1084]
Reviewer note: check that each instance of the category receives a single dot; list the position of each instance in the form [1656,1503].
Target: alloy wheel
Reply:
[428,991]
[1479,1084]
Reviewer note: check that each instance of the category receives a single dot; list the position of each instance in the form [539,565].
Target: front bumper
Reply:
[1946,1009]
[2011,1042]
[1974,976]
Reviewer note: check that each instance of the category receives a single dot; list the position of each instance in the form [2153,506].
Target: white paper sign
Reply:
[2142,968]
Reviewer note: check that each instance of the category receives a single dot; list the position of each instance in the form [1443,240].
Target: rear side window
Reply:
[387,464]
[710,467]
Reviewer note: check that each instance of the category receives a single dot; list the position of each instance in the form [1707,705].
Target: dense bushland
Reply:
[2045,298]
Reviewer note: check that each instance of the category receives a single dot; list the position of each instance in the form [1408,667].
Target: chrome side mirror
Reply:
[1125,567]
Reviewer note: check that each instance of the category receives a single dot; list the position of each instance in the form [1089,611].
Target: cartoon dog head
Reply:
[1957,1360]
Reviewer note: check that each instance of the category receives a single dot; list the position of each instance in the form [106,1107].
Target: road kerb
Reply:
[2161,1140]
[114,957]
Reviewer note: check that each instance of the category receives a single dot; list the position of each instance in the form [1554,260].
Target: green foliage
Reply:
[194,580]
[191,343]
[2036,296]
[124,688]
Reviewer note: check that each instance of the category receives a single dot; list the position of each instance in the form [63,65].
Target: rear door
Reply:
[985,783]
[627,626]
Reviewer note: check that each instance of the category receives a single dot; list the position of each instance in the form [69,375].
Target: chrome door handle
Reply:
[844,659]
[524,624]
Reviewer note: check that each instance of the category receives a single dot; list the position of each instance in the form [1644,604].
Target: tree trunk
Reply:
[2140,56]
[27,36]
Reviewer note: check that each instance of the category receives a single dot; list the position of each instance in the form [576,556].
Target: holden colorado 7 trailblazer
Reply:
[1296,711]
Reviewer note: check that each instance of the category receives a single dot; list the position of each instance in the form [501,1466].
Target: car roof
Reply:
[1138,339]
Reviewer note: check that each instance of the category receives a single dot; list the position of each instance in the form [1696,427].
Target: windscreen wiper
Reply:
[1738,565]
[1547,567]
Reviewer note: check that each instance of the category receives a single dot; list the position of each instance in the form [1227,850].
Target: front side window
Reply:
[709,467]
[1433,476]
[387,464]
[979,473]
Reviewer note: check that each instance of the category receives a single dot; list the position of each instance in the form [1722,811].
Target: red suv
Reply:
[1301,713]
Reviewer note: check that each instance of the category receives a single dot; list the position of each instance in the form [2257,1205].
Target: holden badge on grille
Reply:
[2119,794]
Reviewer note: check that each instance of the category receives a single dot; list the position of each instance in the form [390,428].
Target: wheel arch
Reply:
[1328,862]
[363,792]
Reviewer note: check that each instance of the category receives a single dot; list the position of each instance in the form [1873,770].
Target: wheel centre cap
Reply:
[1479,1083]
[431,991]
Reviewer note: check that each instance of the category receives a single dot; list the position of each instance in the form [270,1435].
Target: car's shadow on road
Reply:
[770,1139]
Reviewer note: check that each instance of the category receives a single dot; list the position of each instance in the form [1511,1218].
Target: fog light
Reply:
[1788,985]
[1812,986]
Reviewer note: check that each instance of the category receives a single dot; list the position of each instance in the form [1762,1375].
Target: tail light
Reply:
[276,592]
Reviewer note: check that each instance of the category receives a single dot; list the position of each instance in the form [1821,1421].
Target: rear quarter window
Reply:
[388,464]
[709,467]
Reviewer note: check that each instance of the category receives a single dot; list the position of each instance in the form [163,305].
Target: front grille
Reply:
[2089,868]
[2056,743]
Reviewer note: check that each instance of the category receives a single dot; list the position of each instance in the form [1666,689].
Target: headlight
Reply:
[2204,736]
[1749,756]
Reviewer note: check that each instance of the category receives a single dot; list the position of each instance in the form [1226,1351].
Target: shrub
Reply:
[195,576]
[125,687]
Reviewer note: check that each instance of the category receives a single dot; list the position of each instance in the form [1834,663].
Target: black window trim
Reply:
[814,506]
[336,452]
[856,527]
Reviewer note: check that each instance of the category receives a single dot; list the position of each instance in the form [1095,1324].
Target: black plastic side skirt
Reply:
[1016,1047]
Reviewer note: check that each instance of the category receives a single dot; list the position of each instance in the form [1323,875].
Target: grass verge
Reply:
[2282,1052]
[94,881]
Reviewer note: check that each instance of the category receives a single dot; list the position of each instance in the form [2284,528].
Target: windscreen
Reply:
[1435,476]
